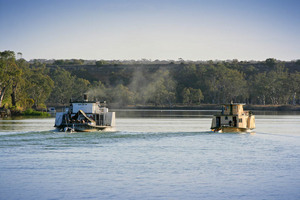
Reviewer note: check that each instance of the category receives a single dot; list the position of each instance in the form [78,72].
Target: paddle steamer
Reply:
[233,118]
[85,116]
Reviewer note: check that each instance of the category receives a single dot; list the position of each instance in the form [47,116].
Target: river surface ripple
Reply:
[151,155]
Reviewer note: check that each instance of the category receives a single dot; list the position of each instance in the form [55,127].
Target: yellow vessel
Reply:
[233,118]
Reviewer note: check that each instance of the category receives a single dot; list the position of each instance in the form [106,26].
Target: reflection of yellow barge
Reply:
[233,118]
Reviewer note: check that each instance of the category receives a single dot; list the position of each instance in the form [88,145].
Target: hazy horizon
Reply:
[196,30]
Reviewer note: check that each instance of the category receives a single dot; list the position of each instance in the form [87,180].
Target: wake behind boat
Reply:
[85,116]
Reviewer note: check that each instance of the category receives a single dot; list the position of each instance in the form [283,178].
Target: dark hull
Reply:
[230,129]
[79,127]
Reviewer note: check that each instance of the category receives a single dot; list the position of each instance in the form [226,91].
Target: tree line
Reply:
[22,85]
[34,84]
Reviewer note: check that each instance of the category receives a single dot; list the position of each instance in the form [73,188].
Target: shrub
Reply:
[31,112]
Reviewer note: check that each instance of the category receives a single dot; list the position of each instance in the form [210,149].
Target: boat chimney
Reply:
[85,97]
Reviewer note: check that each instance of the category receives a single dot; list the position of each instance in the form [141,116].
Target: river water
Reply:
[152,155]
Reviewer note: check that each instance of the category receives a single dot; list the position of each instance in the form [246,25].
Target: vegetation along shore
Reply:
[36,84]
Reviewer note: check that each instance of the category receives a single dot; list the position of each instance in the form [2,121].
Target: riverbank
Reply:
[60,107]
[4,113]
[211,107]
[273,107]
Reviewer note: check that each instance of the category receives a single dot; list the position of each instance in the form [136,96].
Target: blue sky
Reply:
[158,29]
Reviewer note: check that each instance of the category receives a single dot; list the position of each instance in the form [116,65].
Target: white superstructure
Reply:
[85,116]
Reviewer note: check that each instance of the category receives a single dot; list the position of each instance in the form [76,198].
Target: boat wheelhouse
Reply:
[85,116]
[233,118]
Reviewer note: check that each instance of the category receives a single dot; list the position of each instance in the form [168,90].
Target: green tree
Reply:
[12,76]
[59,62]
[63,86]
[210,82]
[232,85]
[8,69]
[40,87]
[271,62]
[19,82]
[162,89]
[191,95]
[277,89]
[225,84]
[25,85]
[97,90]
[273,87]
[258,88]
[294,82]
[196,96]
[80,86]
[122,95]
[101,62]
[186,93]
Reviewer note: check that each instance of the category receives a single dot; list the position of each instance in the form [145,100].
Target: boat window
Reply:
[240,120]
[226,118]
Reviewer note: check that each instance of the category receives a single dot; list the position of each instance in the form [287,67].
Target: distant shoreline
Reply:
[211,107]
[60,107]
[194,107]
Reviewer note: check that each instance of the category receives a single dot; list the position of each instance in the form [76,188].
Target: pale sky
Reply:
[158,29]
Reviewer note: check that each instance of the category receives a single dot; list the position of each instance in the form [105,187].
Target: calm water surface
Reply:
[152,155]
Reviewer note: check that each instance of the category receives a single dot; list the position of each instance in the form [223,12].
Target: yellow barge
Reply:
[233,118]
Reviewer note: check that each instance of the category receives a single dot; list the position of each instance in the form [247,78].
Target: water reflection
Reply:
[27,124]
[163,113]
[136,113]
[164,121]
